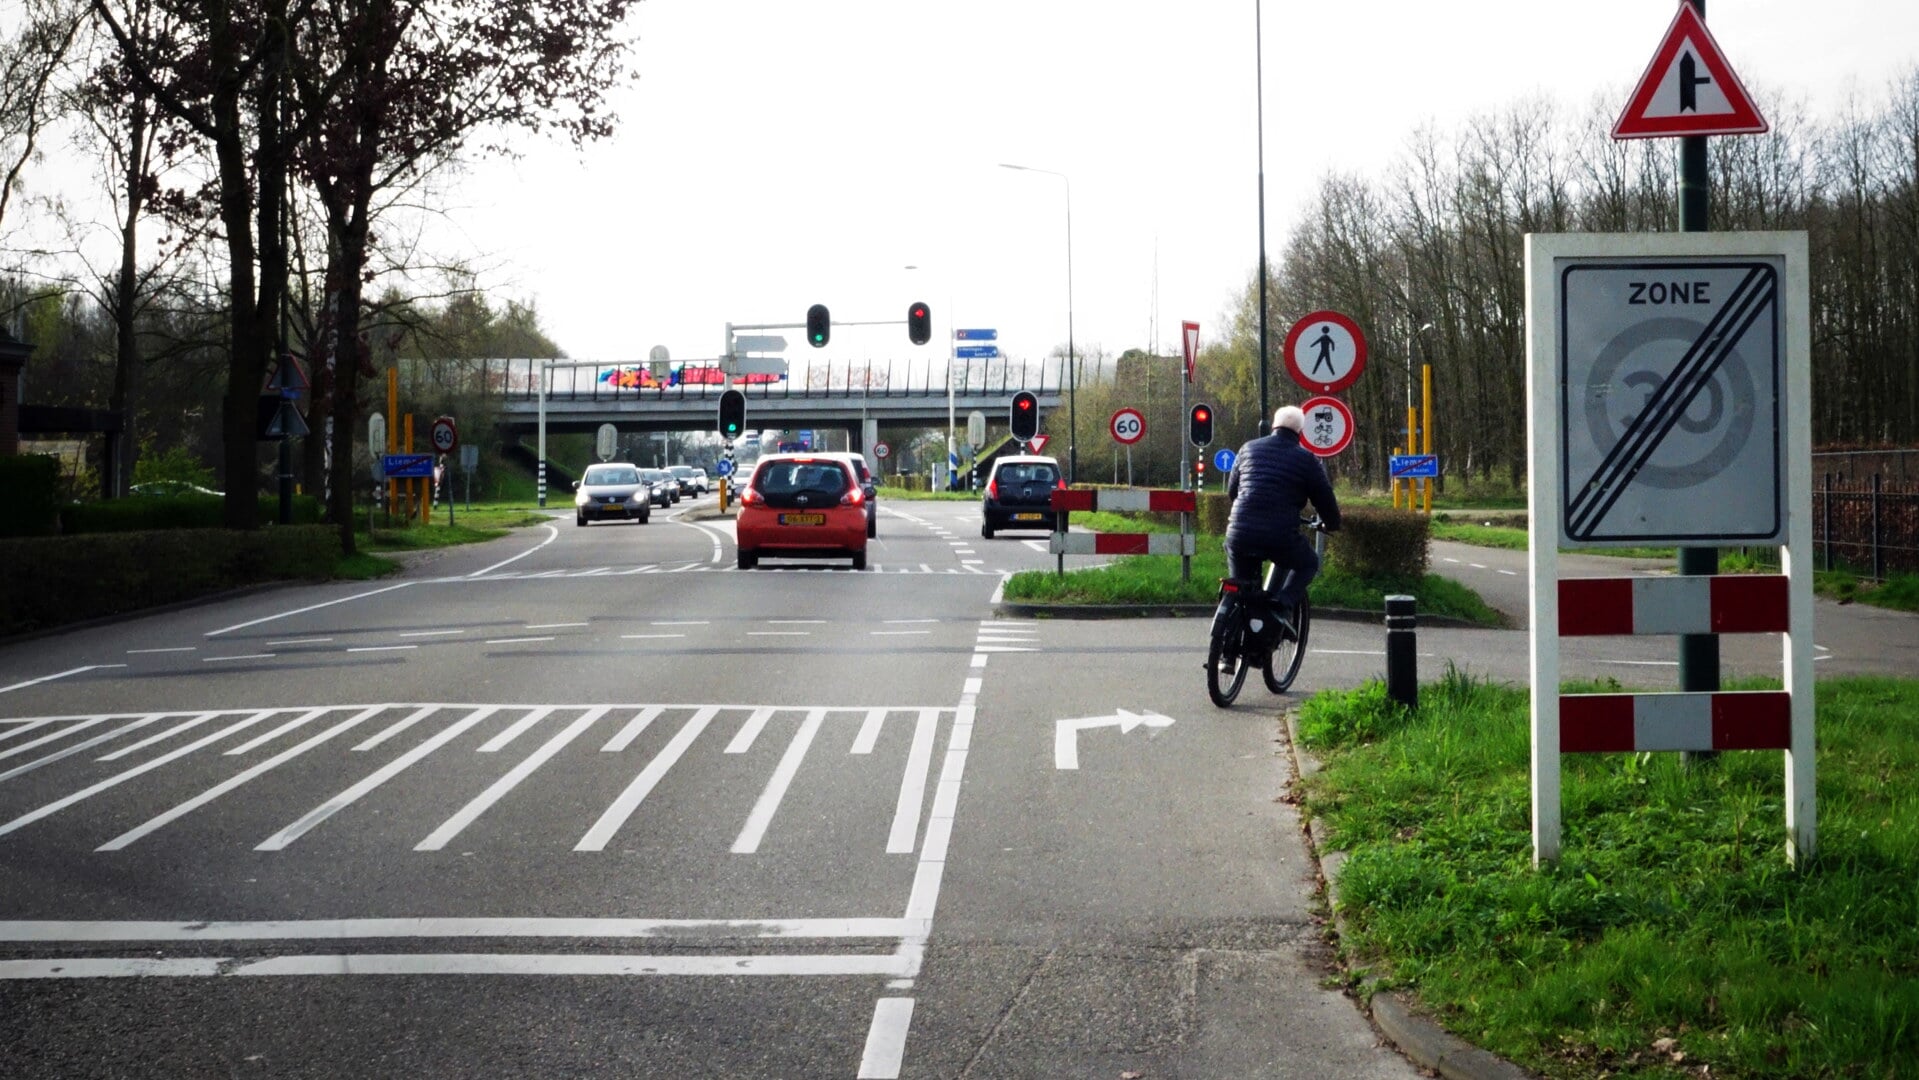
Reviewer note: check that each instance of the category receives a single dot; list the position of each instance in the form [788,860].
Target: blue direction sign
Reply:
[1414,466]
[408,466]
[1223,461]
[976,335]
[724,467]
[978,352]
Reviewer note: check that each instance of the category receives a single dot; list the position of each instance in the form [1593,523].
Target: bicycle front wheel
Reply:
[1283,666]
[1221,687]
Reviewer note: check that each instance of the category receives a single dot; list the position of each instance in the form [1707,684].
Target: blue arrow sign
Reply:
[408,466]
[1223,461]
[978,352]
[724,467]
[976,335]
[1414,466]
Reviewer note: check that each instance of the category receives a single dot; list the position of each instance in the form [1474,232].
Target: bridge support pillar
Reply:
[864,439]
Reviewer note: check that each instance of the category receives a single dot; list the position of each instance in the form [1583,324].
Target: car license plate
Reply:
[802,519]
[1028,517]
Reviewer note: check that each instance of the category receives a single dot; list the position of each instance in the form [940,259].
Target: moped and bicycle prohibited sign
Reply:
[1671,400]
[445,435]
[1329,425]
[1128,426]
[881,450]
[1325,352]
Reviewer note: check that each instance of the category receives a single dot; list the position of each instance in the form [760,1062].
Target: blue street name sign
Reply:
[408,466]
[1223,461]
[724,467]
[1415,466]
[976,335]
[978,352]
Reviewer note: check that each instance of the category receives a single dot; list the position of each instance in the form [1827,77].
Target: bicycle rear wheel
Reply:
[1282,667]
[1221,687]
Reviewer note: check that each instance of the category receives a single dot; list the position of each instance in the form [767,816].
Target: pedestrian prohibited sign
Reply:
[1668,389]
[1325,352]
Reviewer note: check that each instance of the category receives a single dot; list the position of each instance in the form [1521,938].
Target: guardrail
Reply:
[517,380]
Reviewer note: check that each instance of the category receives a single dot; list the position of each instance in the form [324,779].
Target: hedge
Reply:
[53,581]
[1375,543]
[137,513]
[29,490]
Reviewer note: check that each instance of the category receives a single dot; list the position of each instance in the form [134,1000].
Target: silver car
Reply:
[613,490]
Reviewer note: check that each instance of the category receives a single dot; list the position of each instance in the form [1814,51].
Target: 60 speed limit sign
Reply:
[446,435]
[1128,427]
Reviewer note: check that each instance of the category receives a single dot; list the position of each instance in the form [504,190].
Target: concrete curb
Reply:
[1426,1043]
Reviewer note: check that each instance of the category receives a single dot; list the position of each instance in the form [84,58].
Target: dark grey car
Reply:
[612,491]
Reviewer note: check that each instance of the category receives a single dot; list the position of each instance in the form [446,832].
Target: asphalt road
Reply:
[593,802]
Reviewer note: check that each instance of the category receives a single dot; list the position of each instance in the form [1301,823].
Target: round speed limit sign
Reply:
[1128,427]
[446,435]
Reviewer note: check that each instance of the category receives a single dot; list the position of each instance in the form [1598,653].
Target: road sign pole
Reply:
[1426,426]
[1698,653]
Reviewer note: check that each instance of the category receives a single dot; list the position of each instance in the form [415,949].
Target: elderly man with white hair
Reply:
[1272,481]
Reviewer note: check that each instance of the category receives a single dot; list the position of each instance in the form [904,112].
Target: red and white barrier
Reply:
[1134,499]
[1721,604]
[1628,723]
[1085,543]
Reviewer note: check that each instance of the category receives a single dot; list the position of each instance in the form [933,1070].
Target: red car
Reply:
[801,506]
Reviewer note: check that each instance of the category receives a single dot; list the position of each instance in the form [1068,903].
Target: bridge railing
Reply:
[517,380]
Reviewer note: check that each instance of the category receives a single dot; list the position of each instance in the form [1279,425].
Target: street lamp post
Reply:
[1072,361]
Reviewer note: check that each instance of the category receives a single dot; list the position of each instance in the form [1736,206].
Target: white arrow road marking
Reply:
[1066,732]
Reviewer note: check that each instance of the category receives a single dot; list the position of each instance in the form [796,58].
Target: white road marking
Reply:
[244,656]
[262,740]
[886,1039]
[1452,560]
[78,748]
[218,790]
[919,762]
[897,633]
[431,927]
[972,686]
[1510,573]
[431,633]
[696,622]
[112,781]
[924,568]
[304,610]
[170,733]
[869,733]
[750,731]
[515,640]
[596,571]
[417,715]
[796,622]
[555,625]
[519,727]
[567,964]
[632,730]
[34,725]
[1477,566]
[182,648]
[278,841]
[471,811]
[648,637]
[757,822]
[1643,663]
[552,534]
[995,649]
[909,622]
[62,675]
[381,648]
[711,533]
[779,633]
[642,785]
[299,641]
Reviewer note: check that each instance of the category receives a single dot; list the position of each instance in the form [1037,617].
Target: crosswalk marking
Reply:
[769,802]
[44,739]
[919,760]
[869,735]
[750,731]
[643,784]
[262,740]
[632,730]
[418,715]
[170,733]
[472,810]
[78,748]
[500,742]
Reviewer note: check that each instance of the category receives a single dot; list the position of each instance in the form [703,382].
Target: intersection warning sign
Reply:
[1688,89]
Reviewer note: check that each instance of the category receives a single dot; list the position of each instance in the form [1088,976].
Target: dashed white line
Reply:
[381,648]
[245,656]
[61,675]
[310,607]
[648,637]
[779,633]
[897,633]
[431,633]
[299,641]
[515,640]
[698,622]
[183,648]
[554,625]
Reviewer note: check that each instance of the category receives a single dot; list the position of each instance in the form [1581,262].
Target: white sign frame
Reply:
[1547,256]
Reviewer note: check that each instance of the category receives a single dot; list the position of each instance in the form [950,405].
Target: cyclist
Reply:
[1272,480]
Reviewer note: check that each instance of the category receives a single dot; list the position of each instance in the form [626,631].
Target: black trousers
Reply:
[1298,556]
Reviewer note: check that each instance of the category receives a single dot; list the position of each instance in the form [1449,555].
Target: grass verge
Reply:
[1671,935]
[909,495]
[476,526]
[1499,536]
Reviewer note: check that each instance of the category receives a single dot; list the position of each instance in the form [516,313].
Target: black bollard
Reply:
[1402,663]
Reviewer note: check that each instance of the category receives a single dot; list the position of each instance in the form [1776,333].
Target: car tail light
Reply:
[1228,585]
[750,497]
[992,488]
[1062,483]
[853,497]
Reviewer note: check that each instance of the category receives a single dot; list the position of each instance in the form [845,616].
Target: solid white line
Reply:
[78,748]
[548,574]
[869,734]
[711,534]
[919,761]
[62,675]
[170,733]
[218,790]
[349,929]
[971,687]
[571,964]
[909,622]
[796,622]
[595,572]
[299,641]
[648,637]
[636,570]
[278,841]
[481,802]
[262,740]
[515,640]
[381,648]
[304,610]
[246,656]
[431,633]
[999,592]
[632,730]
[503,739]
[749,731]
[418,715]
[182,648]
[898,633]
[642,785]
[112,781]
[886,1039]
[552,534]
[554,625]
[779,633]
[695,622]
[749,839]
[997,648]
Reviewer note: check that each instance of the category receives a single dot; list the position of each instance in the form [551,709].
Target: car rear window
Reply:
[1023,472]
[793,477]
[612,476]
[680,470]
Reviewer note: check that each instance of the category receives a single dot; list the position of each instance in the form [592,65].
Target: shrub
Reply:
[1376,543]
[1214,508]
[177,464]
[137,513]
[28,489]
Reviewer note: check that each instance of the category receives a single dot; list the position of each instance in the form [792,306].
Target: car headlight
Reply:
[582,499]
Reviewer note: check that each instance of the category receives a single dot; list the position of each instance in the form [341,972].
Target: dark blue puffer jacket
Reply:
[1272,480]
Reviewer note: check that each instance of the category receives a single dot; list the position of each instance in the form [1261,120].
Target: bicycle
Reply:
[1247,626]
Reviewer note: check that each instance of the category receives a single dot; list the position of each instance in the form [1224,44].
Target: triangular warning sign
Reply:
[1688,89]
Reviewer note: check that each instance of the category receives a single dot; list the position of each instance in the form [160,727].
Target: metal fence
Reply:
[517,379]
[1870,526]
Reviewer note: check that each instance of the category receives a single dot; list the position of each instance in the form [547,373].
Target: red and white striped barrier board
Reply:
[1085,543]
[1139,499]
[1719,604]
[1627,723]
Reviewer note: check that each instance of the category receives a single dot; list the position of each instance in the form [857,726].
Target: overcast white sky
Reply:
[775,154]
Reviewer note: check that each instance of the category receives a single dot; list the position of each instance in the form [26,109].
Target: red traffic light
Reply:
[1023,404]
[1202,414]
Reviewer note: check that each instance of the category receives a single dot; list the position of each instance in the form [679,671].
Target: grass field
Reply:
[1672,939]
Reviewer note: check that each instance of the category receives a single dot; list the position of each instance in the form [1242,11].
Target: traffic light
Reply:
[1024,417]
[732,414]
[819,325]
[1200,427]
[919,323]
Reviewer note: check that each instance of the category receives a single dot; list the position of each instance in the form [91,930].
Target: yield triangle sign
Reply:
[1189,341]
[1688,89]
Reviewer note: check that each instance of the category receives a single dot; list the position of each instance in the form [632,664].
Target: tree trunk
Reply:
[126,358]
